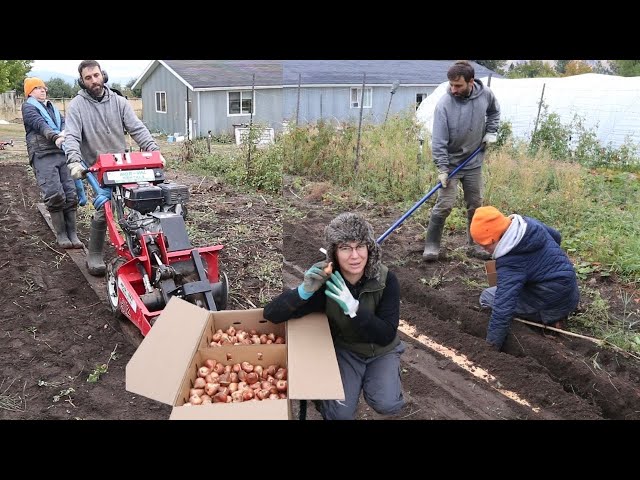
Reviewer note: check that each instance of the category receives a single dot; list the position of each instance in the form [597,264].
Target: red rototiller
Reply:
[155,259]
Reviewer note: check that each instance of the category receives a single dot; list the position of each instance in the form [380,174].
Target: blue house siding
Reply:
[334,103]
[213,110]
[174,120]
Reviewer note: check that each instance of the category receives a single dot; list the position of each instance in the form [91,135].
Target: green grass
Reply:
[596,212]
[597,321]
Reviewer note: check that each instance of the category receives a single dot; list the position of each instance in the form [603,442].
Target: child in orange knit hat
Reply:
[44,133]
[536,279]
[31,83]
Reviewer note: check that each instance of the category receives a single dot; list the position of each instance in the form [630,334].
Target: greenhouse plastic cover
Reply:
[607,105]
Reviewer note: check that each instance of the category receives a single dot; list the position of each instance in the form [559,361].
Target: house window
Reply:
[356,95]
[161,102]
[419,98]
[240,103]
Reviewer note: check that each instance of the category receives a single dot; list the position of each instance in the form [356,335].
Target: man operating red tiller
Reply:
[155,259]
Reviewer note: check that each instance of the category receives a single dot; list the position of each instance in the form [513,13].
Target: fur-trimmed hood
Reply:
[352,227]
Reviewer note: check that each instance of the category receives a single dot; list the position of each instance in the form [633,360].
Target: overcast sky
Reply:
[115,68]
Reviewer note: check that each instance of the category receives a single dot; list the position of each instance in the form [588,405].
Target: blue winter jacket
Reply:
[538,268]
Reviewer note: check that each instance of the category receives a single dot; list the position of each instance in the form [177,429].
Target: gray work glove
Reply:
[59,141]
[490,138]
[314,278]
[77,170]
[444,178]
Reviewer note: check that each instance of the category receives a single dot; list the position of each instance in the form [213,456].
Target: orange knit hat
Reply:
[488,225]
[31,83]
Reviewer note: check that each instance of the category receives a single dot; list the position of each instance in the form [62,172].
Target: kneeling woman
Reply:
[361,299]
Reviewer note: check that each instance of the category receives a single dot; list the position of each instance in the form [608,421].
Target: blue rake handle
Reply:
[426,197]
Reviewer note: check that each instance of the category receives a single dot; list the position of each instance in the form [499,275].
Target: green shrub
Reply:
[387,168]
[551,135]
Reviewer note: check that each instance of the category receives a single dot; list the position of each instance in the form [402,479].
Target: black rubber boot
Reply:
[60,227]
[70,219]
[432,242]
[95,262]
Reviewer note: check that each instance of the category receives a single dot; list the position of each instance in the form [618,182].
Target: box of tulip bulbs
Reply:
[233,364]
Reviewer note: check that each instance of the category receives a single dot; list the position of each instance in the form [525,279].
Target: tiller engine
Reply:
[155,259]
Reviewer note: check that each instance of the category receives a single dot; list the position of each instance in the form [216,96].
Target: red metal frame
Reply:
[108,162]
[130,285]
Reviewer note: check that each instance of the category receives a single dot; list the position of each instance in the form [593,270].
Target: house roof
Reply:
[203,74]
[415,72]
[227,73]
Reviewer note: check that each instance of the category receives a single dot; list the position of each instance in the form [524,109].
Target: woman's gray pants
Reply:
[377,377]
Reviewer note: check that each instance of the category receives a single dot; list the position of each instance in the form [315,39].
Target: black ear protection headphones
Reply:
[81,81]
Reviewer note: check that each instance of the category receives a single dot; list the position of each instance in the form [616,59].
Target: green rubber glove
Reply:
[314,278]
[338,291]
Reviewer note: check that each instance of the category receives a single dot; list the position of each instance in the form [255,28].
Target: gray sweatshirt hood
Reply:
[512,237]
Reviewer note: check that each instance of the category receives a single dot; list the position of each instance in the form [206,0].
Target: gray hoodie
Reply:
[459,125]
[93,127]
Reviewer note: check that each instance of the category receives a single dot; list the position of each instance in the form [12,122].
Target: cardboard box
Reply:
[165,364]
[492,275]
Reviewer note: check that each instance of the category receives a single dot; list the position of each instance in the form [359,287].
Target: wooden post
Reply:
[394,87]
[187,107]
[250,137]
[364,81]
[535,128]
[298,103]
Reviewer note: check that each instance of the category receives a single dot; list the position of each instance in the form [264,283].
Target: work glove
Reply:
[444,178]
[490,138]
[59,141]
[314,278]
[77,170]
[338,291]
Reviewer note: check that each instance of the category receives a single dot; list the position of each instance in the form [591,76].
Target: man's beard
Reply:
[464,93]
[97,90]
